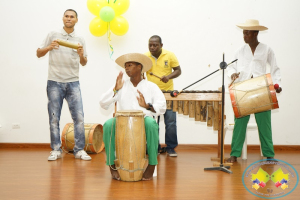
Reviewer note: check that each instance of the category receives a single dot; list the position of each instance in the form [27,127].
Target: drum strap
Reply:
[111,132]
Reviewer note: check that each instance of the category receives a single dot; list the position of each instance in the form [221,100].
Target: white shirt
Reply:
[127,98]
[64,61]
[249,64]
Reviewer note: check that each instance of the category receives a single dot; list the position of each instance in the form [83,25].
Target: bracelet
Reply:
[115,91]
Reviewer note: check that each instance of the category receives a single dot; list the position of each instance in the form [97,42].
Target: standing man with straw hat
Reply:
[253,58]
[134,94]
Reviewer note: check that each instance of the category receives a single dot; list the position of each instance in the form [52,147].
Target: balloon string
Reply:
[111,49]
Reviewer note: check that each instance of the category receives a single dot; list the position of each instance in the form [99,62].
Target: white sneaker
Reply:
[54,155]
[82,155]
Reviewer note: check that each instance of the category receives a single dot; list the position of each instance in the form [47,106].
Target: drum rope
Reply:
[256,107]
[111,132]
[247,91]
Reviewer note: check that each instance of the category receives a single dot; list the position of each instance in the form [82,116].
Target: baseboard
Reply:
[211,147]
[227,147]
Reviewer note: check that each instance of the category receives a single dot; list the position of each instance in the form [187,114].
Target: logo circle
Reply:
[270,178]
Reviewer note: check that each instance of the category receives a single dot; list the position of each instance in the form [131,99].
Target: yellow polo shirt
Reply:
[162,67]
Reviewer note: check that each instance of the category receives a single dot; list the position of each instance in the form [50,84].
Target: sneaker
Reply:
[171,152]
[54,155]
[82,155]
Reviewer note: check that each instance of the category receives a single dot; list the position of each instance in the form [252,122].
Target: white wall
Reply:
[198,32]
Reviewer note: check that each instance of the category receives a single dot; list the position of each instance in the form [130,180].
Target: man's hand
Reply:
[119,81]
[141,100]
[235,76]
[80,50]
[278,90]
[165,79]
[54,45]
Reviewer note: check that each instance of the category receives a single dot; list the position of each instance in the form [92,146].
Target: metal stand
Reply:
[223,168]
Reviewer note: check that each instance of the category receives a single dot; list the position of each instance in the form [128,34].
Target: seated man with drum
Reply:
[253,58]
[133,95]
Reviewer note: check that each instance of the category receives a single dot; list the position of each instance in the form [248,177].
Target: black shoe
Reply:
[171,152]
[162,150]
[272,159]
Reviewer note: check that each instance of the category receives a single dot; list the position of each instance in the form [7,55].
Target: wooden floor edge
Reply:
[179,147]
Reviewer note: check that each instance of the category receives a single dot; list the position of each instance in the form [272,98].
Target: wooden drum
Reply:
[93,137]
[130,141]
[253,96]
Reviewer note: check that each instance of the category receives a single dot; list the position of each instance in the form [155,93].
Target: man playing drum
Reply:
[134,94]
[253,58]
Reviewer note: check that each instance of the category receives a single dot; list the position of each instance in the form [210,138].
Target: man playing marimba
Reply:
[134,94]
[166,66]
[252,62]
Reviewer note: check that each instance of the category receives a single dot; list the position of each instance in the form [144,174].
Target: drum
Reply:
[130,142]
[93,137]
[253,96]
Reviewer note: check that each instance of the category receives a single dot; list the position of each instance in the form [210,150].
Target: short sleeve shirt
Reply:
[64,61]
[162,67]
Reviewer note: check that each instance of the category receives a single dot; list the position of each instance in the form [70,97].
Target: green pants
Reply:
[263,121]
[151,129]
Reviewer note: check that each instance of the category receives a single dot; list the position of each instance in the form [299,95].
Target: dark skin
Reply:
[250,37]
[155,48]
[133,70]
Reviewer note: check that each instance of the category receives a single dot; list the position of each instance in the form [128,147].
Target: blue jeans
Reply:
[171,129]
[56,93]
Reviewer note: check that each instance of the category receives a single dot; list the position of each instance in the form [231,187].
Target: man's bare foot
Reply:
[114,173]
[232,159]
[148,174]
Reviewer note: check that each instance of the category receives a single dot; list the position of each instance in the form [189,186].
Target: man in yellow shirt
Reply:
[166,66]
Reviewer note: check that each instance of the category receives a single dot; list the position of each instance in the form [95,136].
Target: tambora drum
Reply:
[253,96]
[130,142]
[93,137]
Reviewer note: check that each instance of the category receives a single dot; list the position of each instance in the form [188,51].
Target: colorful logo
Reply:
[270,179]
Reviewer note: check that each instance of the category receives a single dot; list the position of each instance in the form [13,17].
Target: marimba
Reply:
[204,106]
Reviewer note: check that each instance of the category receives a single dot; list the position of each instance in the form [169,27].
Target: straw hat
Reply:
[135,57]
[252,24]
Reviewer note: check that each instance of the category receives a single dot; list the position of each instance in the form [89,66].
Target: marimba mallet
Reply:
[154,75]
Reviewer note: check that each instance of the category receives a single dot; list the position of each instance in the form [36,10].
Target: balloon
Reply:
[95,6]
[119,25]
[107,13]
[98,27]
[120,6]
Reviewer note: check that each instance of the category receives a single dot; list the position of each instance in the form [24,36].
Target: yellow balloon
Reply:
[95,6]
[119,6]
[98,27]
[119,25]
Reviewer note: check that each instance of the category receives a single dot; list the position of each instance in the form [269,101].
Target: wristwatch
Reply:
[150,106]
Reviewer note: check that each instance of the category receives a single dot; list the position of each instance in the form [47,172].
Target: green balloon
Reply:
[107,13]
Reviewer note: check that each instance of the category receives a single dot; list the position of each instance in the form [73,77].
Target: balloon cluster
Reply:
[108,16]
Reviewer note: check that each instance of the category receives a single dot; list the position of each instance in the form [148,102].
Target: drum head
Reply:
[129,113]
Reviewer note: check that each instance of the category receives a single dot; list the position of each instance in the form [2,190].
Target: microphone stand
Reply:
[223,168]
